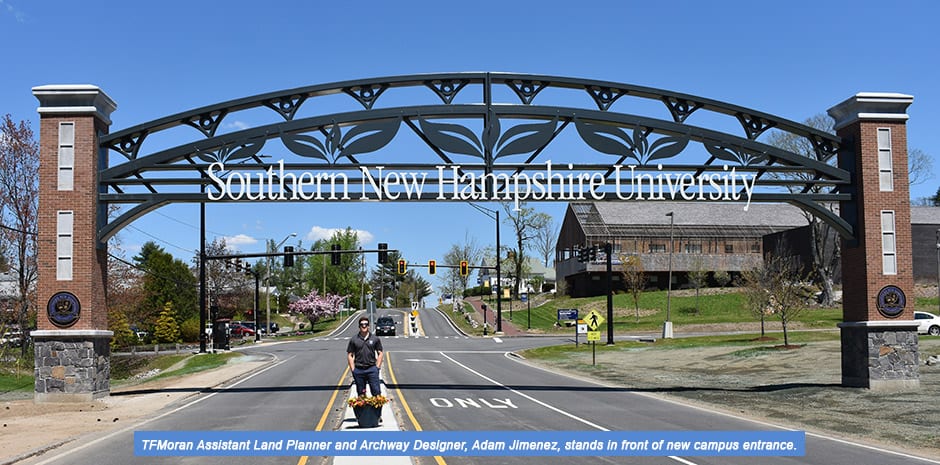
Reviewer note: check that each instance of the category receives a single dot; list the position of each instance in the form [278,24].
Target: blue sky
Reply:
[793,59]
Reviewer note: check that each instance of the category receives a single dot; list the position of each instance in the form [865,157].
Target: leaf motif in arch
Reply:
[641,143]
[445,137]
[605,139]
[738,156]
[305,146]
[244,151]
[530,138]
[667,147]
[369,137]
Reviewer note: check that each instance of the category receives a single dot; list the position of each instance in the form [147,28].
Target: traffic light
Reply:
[432,266]
[402,266]
[464,268]
[593,253]
[582,254]
[334,256]
[288,256]
[247,268]
[383,253]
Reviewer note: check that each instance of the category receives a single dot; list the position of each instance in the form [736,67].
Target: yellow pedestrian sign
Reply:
[593,336]
[593,320]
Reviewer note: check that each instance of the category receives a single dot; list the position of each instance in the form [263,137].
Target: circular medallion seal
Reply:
[891,301]
[63,309]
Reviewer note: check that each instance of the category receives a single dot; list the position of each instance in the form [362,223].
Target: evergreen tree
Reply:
[117,322]
[167,329]
[167,280]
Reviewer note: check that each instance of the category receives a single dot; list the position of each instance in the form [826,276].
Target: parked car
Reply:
[385,326]
[928,323]
[274,328]
[11,338]
[240,330]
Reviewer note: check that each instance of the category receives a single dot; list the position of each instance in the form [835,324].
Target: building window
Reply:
[889,256]
[885,160]
[693,248]
[755,247]
[66,156]
[64,233]
[657,248]
[729,248]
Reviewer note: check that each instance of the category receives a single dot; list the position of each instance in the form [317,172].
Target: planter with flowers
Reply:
[368,410]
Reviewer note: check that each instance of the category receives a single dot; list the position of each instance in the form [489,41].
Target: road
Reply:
[443,381]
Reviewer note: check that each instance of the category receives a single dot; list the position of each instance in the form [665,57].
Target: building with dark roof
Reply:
[706,236]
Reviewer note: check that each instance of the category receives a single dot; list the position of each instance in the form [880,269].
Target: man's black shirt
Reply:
[364,349]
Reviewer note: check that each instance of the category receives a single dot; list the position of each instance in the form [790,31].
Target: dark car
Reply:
[274,328]
[385,326]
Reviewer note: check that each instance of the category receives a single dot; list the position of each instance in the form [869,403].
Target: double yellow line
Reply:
[401,398]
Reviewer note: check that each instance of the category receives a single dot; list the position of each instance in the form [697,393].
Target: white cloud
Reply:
[316,233]
[237,125]
[236,242]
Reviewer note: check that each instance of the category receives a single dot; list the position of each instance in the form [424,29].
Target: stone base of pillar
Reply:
[72,365]
[880,355]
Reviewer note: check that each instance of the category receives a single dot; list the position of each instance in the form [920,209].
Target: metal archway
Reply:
[474,124]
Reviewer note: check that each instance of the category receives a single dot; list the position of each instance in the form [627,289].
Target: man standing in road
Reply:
[364,354]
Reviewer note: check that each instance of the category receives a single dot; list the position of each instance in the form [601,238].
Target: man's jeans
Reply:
[367,375]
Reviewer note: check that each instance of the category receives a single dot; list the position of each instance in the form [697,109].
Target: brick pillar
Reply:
[72,341]
[879,336]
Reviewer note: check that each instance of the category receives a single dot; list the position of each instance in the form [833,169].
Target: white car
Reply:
[928,323]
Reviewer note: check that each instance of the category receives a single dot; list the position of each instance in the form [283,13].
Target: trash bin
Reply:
[220,334]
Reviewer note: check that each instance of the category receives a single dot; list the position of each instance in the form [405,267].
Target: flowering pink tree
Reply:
[315,306]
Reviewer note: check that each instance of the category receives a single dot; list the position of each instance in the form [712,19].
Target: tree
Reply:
[343,279]
[919,166]
[634,278]
[775,288]
[824,244]
[117,322]
[698,278]
[525,222]
[167,330]
[167,280]
[546,236]
[316,306]
[226,286]
[469,251]
[19,208]
[722,278]
[385,280]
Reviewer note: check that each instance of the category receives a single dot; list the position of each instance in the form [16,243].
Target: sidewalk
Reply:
[389,423]
[508,327]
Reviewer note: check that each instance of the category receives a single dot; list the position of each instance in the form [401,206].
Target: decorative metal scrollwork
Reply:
[286,106]
[519,139]
[129,145]
[447,89]
[526,89]
[364,138]
[680,108]
[366,95]
[825,148]
[734,154]
[754,126]
[207,123]
[615,141]
[604,97]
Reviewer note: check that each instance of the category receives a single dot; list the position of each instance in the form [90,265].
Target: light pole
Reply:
[499,304]
[938,266]
[267,285]
[667,326]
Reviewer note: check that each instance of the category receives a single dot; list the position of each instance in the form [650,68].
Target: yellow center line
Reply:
[326,411]
[404,404]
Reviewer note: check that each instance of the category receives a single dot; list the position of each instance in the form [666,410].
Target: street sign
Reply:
[593,336]
[414,305]
[594,320]
[567,314]
[582,328]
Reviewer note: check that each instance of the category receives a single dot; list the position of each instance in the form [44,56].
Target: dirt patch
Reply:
[798,387]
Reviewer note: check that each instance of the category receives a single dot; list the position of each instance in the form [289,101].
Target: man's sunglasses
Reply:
[363,325]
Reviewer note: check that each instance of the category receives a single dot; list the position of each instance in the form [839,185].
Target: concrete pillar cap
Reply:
[74,99]
[871,106]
